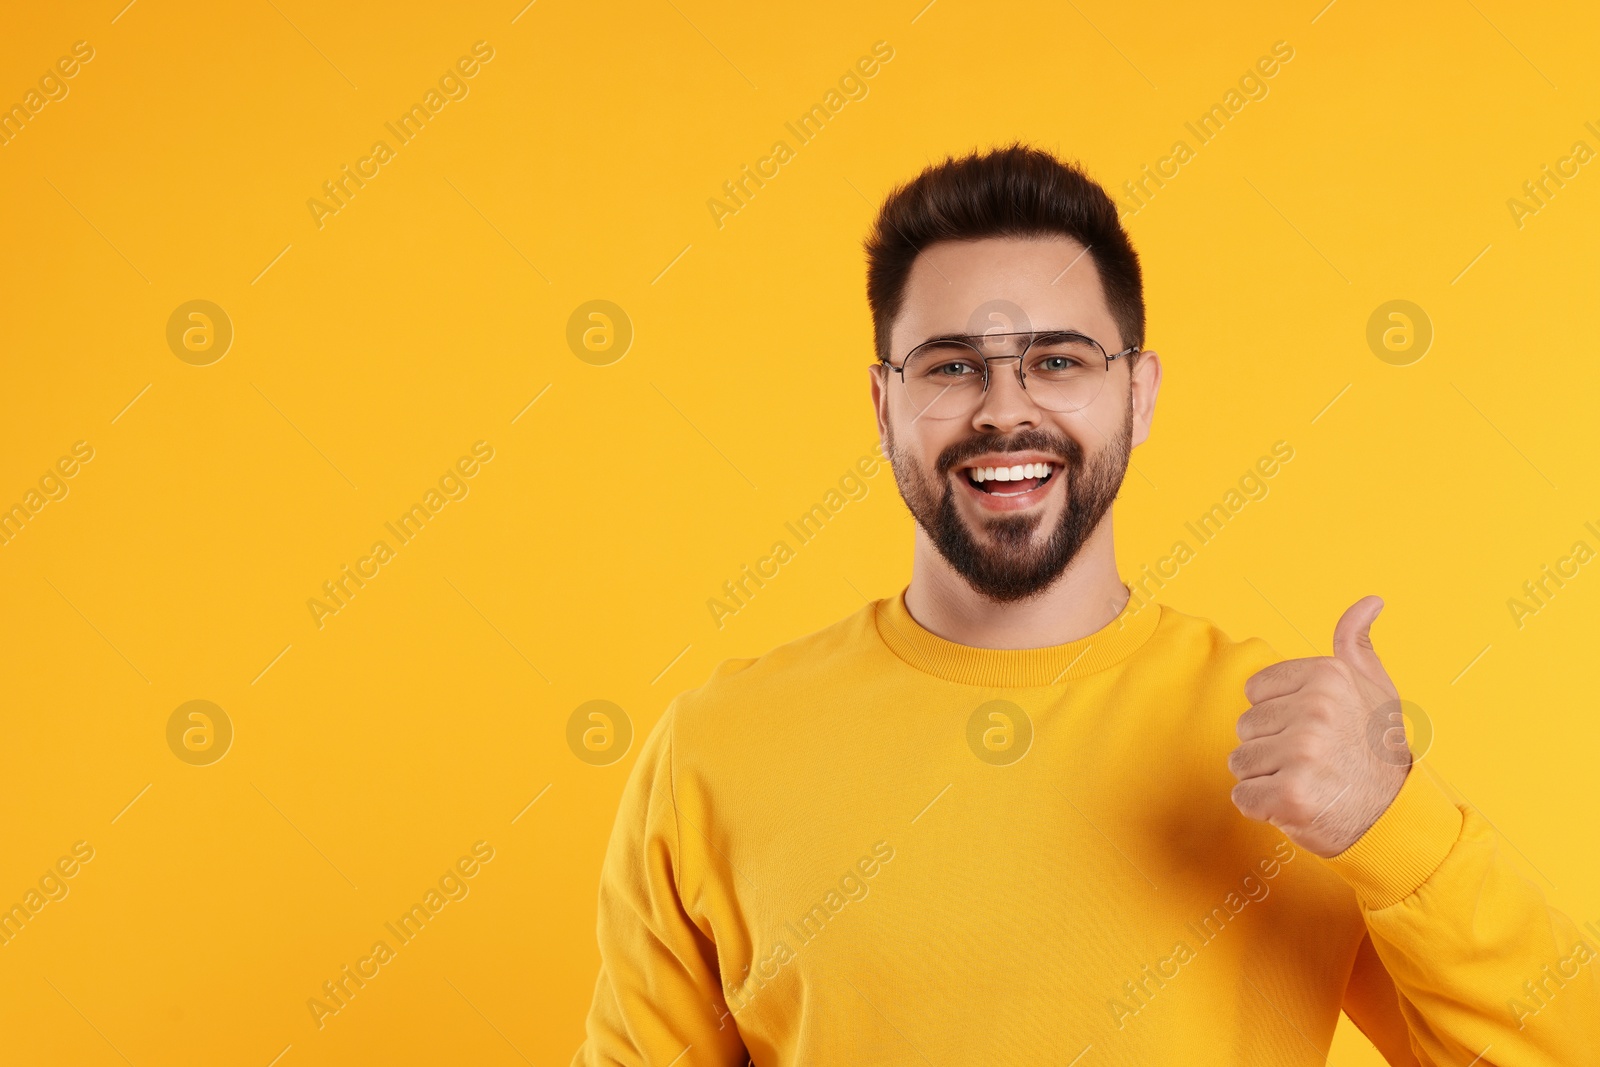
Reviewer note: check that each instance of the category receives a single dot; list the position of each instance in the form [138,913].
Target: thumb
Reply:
[1352,636]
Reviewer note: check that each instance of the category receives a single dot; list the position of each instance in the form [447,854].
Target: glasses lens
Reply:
[1065,372]
[944,380]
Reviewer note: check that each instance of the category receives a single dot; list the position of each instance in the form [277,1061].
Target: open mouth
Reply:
[1009,481]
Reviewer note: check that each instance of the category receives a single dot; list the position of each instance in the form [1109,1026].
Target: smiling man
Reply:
[1005,817]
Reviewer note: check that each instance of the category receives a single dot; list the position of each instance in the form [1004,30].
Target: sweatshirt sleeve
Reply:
[1487,973]
[657,1000]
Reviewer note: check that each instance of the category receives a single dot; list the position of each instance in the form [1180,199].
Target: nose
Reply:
[1006,405]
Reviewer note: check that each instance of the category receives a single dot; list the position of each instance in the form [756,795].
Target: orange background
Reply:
[371,352]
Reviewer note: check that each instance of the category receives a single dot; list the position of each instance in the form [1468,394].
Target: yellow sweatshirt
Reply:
[876,846]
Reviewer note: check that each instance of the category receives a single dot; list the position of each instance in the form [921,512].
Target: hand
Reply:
[1318,759]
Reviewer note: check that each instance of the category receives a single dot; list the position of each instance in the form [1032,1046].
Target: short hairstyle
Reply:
[1014,191]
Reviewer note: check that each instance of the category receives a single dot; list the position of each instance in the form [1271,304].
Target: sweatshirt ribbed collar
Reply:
[1050,665]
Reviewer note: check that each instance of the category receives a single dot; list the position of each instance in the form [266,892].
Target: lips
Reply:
[1010,481]
[1015,480]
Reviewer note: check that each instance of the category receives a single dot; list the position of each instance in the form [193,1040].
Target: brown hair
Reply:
[1015,191]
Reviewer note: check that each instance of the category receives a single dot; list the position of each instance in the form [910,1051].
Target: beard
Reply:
[1005,564]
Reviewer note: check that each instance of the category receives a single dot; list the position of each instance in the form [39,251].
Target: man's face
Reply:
[1010,539]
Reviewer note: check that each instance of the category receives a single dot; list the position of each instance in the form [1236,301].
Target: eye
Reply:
[952,368]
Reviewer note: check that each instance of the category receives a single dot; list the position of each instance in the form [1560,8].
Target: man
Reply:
[1009,817]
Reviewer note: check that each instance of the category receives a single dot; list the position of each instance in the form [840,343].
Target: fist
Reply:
[1310,760]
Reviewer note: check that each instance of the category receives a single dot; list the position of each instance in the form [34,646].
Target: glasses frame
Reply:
[1022,376]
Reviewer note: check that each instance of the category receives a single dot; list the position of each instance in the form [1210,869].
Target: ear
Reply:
[1145,384]
[880,401]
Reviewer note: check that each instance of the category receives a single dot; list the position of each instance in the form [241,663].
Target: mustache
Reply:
[1032,440]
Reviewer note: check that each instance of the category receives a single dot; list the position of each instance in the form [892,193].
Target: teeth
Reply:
[1009,474]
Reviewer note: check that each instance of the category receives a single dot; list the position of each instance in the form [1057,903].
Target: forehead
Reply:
[1005,283]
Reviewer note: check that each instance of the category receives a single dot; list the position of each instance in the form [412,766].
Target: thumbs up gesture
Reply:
[1310,762]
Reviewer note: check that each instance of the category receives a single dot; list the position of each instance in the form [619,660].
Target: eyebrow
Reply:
[970,338]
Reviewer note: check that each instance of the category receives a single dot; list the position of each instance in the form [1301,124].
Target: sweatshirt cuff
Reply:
[1404,847]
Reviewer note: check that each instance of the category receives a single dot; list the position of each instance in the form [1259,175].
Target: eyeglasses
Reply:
[1061,370]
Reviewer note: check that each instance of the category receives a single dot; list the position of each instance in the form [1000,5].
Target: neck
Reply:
[1084,599]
